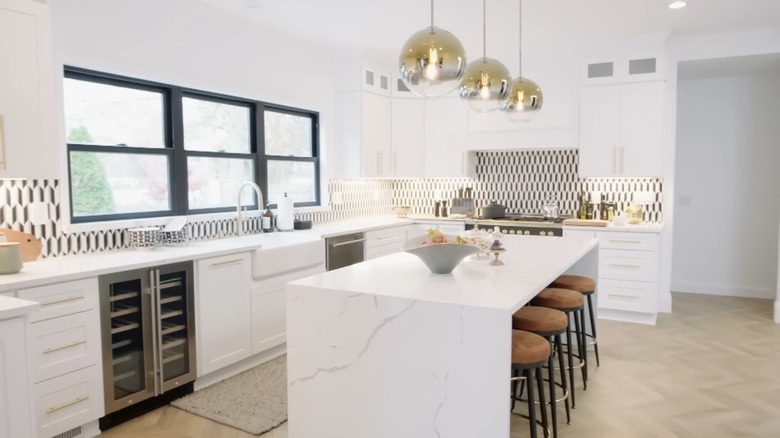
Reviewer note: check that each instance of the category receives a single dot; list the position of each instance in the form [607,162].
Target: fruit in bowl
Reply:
[440,252]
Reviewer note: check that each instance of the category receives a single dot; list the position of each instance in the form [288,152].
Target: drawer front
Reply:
[68,401]
[628,265]
[392,236]
[59,346]
[629,241]
[632,296]
[63,298]
[379,251]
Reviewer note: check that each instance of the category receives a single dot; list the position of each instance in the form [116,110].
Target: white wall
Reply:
[727,209]
[191,44]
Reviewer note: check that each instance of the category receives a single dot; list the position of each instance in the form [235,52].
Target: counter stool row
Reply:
[548,316]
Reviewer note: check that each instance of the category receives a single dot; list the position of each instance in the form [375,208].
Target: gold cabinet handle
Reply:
[64,347]
[62,300]
[394,236]
[630,297]
[65,405]
[616,265]
[2,142]
[624,241]
[227,262]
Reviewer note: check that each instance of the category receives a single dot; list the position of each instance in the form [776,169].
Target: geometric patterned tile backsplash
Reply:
[520,180]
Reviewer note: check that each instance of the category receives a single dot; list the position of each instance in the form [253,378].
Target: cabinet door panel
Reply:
[599,130]
[446,125]
[633,296]
[224,313]
[26,91]
[642,129]
[408,138]
[376,135]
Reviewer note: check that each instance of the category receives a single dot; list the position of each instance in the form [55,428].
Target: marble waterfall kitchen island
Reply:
[385,349]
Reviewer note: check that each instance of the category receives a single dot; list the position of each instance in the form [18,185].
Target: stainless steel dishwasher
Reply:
[345,250]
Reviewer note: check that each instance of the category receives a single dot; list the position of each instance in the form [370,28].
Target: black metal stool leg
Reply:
[542,404]
[529,376]
[593,329]
[514,388]
[553,408]
[559,348]
[571,365]
[581,347]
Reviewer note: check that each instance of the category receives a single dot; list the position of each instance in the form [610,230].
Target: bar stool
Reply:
[530,353]
[587,287]
[571,303]
[550,324]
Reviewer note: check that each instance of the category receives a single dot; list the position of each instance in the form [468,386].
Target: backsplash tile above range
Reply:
[522,180]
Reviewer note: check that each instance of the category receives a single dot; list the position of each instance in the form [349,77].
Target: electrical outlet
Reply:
[39,213]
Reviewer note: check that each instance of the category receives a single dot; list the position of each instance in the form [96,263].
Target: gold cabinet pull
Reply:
[64,347]
[624,241]
[630,297]
[228,262]
[617,265]
[2,143]
[62,300]
[65,405]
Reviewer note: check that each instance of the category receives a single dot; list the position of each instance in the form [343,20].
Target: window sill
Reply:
[161,221]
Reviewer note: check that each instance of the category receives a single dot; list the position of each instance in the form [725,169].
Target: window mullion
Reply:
[176,142]
[261,161]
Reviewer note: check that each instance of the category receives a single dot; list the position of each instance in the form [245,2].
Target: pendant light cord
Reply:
[520,40]
[484,29]
[431,15]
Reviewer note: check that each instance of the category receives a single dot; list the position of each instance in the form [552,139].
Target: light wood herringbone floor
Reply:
[710,369]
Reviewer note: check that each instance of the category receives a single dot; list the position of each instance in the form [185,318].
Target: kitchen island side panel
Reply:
[366,365]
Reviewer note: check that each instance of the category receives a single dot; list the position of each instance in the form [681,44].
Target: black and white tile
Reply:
[520,180]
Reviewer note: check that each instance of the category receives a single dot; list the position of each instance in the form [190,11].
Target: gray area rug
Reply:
[254,401]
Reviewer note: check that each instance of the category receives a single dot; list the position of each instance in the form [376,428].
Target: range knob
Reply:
[526,232]
[542,233]
[511,231]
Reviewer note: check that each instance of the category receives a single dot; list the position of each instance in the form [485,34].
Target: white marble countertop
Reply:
[637,228]
[531,263]
[73,267]
[13,307]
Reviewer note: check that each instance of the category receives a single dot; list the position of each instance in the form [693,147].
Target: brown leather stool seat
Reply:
[550,324]
[562,299]
[585,285]
[528,348]
[540,320]
[530,353]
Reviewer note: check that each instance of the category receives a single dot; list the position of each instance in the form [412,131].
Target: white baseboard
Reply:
[624,316]
[725,290]
[777,311]
[238,367]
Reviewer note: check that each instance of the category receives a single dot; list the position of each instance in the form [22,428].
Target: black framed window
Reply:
[141,149]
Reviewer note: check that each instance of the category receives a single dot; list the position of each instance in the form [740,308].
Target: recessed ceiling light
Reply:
[677,4]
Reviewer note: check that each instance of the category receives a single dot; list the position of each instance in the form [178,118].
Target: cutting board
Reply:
[586,222]
[30,245]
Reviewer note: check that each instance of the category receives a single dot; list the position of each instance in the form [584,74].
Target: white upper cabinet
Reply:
[622,130]
[408,138]
[27,105]
[446,153]
[376,135]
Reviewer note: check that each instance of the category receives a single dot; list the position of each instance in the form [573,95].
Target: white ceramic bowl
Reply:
[440,258]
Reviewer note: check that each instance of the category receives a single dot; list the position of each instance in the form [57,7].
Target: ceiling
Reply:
[752,65]
[384,25]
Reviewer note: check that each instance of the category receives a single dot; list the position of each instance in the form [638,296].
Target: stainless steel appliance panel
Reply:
[344,250]
[148,333]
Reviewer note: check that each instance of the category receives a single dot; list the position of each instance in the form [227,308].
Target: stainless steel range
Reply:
[525,224]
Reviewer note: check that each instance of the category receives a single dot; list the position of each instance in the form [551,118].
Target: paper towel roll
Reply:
[285,219]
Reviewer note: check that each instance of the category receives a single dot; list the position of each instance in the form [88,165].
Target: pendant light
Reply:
[525,100]
[486,83]
[432,61]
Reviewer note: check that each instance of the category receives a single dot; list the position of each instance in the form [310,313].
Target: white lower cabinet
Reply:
[68,401]
[64,356]
[224,317]
[385,241]
[273,269]
[628,270]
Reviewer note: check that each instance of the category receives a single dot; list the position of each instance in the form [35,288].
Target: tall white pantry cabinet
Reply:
[28,126]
